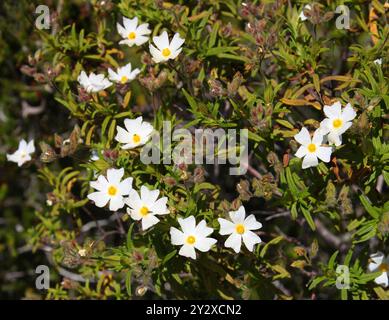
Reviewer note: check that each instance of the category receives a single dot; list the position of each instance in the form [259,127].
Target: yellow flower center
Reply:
[337,123]
[23,154]
[191,240]
[123,80]
[384,267]
[136,138]
[112,190]
[144,211]
[240,228]
[311,147]
[131,35]
[166,52]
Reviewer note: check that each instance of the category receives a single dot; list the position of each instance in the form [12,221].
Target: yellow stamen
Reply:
[144,211]
[240,228]
[112,190]
[131,35]
[384,267]
[337,123]
[311,147]
[166,52]
[191,240]
[123,80]
[136,138]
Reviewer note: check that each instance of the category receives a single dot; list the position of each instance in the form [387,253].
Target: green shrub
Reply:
[270,70]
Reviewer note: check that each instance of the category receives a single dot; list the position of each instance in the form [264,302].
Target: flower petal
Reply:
[100,198]
[382,279]
[177,236]
[130,24]
[251,223]
[202,230]
[303,137]
[310,160]
[226,226]
[148,221]
[161,41]
[116,203]
[324,153]
[188,225]
[333,111]
[348,113]
[234,241]
[115,175]
[301,152]
[176,42]
[250,239]
[188,251]
[238,216]
[204,244]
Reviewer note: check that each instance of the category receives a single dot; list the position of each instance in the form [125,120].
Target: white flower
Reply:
[111,189]
[22,155]
[93,82]
[165,50]
[378,61]
[192,237]
[311,149]
[240,229]
[137,133]
[132,33]
[302,16]
[123,74]
[380,263]
[146,207]
[337,122]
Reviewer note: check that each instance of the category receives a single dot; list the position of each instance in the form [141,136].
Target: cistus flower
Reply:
[378,262]
[124,74]
[23,153]
[311,148]
[136,134]
[93,82]
[302,16]
[337,122]
[164,49]
[378,61]
[146,206]
[240,228]
[111,189]
[132,33]
[192,237]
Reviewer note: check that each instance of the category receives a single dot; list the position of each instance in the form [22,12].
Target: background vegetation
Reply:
[251,65]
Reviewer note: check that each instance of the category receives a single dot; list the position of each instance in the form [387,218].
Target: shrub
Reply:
[279,73]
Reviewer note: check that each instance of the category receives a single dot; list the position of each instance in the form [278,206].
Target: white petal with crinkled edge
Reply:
[303,137]
[149,221]
[188,225]
[301,152]
[204,244]
[382,279]
[324,153]
[238,216]
[251,223]
[334,111]
[234,241]
[177,237]
[310,160]
[188,251]
[116,203]
[250,239]
[226,226]
[99,198]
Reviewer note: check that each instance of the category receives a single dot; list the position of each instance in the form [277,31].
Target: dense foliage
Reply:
[253,65]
